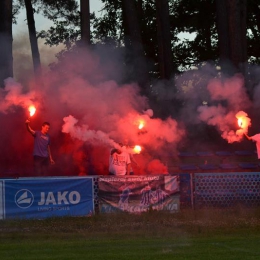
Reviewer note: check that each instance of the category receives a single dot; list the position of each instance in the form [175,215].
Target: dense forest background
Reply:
[127,64]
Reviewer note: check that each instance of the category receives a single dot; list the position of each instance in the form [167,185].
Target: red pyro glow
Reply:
[240,122]
[137,149]
[141,125]
[243,120]
[32,110]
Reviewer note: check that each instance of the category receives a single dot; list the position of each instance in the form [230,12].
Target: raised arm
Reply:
[248,137]
[30,130]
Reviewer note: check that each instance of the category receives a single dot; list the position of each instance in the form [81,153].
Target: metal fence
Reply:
[226,189]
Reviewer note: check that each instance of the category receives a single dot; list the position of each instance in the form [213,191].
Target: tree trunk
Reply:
[85,22]
[134,42]
[231,26]
[164,39]
[6,40]
[132,23]
[222,29]
[237,31]
[33,38]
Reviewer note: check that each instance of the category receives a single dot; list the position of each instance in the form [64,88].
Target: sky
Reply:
[91,112]
[21,45]
[42,24]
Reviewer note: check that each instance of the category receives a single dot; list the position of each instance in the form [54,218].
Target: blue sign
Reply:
[48,197]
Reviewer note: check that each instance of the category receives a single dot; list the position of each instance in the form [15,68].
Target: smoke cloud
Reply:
[232,93]
[91,111]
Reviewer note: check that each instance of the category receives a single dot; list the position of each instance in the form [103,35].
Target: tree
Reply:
[237,31]
[223,30]
[66,19]
[195,18]
[232,30]
[217,26]
[85,22]
[133,43]
[164,39]
[253,24]
[6,39]
[33,37]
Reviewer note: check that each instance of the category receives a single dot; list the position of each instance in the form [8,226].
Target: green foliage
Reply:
[15,11]
[61,32]
[59,9]
[186,16]
[66,19]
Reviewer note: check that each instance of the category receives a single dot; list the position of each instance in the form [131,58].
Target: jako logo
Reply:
[59,198]
[24,199]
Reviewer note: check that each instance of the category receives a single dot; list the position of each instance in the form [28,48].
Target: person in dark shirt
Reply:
[41,151]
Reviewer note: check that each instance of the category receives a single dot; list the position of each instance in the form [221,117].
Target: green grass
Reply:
[205,234]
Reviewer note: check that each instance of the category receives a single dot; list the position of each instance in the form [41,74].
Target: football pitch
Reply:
[202,234]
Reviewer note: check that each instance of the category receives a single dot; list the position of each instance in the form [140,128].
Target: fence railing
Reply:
[226,189]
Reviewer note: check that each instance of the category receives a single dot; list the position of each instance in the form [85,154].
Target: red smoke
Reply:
[88,115]
[224,118]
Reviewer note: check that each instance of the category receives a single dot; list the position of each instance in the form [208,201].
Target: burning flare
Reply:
[141,125]
[32,110]
[137,149]
[243,120]
[240,122]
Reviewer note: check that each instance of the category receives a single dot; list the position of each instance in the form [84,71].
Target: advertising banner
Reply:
[136,194]
[48,197]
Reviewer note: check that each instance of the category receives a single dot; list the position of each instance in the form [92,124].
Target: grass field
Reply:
[205,234]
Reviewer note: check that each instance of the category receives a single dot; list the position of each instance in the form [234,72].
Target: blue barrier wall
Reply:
[81,196]
[46,197]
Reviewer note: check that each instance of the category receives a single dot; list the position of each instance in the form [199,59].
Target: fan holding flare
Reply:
[41,151]
[119,162]
[255,138]
[244,122]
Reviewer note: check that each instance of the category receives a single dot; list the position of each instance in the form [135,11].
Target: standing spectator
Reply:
[256,139]
[119,162]
[41,151]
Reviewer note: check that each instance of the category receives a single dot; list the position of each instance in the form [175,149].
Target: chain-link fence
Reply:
[226,189]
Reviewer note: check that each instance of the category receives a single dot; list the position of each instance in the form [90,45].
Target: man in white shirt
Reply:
[119,162]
